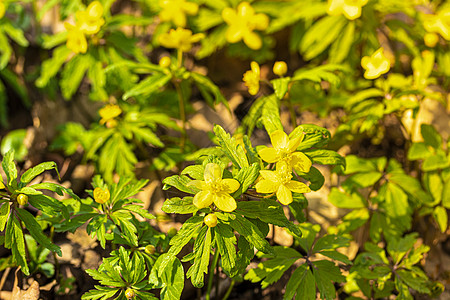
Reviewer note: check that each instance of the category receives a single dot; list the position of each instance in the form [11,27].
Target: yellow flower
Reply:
[279,182]
[214,189]
[180,39]
[101,196]
[431,39]
[109,112]
[90,20]
[350,8]
[165,62]
[439,23]
[375,65]
[280,68]
[242,22]
[251,78]
[176,10]
[284,151]
[76,41]
[2,9]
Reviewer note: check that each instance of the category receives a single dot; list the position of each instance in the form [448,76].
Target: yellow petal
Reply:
[2,9]
[228,15]
[297,187]
[230,185]
[190,8]
[294,143]
[269,155]
[352,12]
[233,34]
[266,187]
[301,162]
[203,199]
[279,139]
[269,175]
[244,9]
[224,202]
[252,40]
[335,7]
[179,18]
[255,68]
[212,173]
[95,9]
[260,21]
[284,195]
[200,184]
[365,61]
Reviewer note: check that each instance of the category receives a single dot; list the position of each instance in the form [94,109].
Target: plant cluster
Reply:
[142,65]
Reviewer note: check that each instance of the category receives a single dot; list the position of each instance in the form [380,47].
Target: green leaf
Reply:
[15,34]
[431,136]
[326,273]
[9,167]
[36,231]
[270,114]
[189,229]
[321,35]
[30,174]
[234,151]
[251,232]
[325,157]
[396,201]
[178,182]
[280,85]
[301,282]
[202,251]
[225,241]
[340,49]
[418,151]
[268,211]
[177,205]
[129,231]
[52,66]
[100,292]
[73,73]
[246,177]
[17,244]
[194,171]
[207,87]
[363,180]
[315,136]
[441,217]
[435,162]
[4,215]
[330,242]
[14,140]
[446,194]
[149,85]
[54,187]
[172,279]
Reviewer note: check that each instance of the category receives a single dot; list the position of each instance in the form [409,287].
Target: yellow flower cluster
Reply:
[88,22]
[375,65]
[108,114]
[242,22]
[180,38]
[350,8]
[214,189]
[438,23]
[176,11]
[286,157]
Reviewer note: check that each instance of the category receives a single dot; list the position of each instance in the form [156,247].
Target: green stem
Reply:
[182,114]
[211,274]
[52,233]
[230,288]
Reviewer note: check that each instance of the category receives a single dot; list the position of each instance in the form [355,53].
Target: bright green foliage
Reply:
[377,273]
[14,218]
[309,273]
[118,212]
[124,269]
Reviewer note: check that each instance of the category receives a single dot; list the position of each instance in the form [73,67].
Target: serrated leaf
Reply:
[230,147]
[418,151]
[225,241]
[251,232]
[202,250]
[325,157]
[325,274]
[206,87]
[441,217]
[178,182]
[314,136]
[246,177]
[9,167]
[280,86]
[185,234]
[302,283]
[148,85]
[73,73]
[30,174]
[177,205]
[4,214]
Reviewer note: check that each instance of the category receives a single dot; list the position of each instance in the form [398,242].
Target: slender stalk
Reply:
[4,276]
[230,288]
[216,296]
[52,233]
[182,114]
[211,274]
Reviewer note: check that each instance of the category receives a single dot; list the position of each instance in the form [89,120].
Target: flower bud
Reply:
[165,61]
[130,293]
[172,231]
[210,220]
[101,196]
[280,68]
[22,199]
[431,39]
[150,249]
